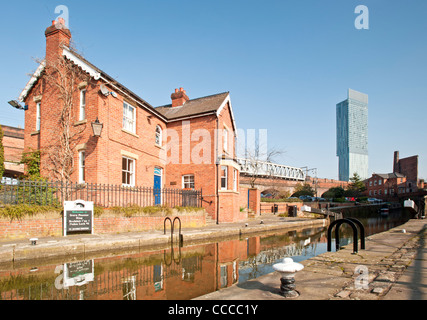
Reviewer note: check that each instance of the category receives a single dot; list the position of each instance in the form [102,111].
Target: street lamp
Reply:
[17,105]
[97,128]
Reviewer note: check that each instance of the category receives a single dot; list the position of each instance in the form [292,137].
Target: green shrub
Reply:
[186,209]
[157,209]
[23,210]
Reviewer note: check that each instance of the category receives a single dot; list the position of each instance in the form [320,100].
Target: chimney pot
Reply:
[179,97]
[61,21]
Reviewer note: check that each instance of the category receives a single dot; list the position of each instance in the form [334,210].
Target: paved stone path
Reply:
[395,262]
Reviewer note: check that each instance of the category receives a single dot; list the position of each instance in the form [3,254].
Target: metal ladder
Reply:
[180,236]
[352,222]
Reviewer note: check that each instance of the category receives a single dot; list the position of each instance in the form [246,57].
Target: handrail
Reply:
[362,232]
[181,241]
[164,226]
[338,224]
[181,238]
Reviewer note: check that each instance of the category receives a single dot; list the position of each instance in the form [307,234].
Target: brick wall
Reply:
[267,207]
[13,143]
[254,196]
[409,167]
[43,227]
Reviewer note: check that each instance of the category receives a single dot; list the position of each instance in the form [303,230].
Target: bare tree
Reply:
[61,78]
[257,161]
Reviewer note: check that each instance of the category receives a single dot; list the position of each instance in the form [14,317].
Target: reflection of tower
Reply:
[352,136]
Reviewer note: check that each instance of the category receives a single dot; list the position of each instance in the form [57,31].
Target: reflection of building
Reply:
[352,135]
[178,274]
[13,142]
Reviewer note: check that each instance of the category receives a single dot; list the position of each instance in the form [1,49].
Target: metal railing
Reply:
[103,195]
[268,169]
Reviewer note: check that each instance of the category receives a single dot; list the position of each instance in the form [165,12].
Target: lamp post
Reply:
[97,128]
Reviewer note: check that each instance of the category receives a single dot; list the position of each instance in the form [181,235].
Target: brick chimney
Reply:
[179,97]
[396,167]
[57,35]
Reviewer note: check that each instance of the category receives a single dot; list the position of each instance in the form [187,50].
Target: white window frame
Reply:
[38,117]
[82,112]
[82,165]
[225,140]
[224,169]
[159,136]
[129,118]
[130,171]
[186,181]
[235,180]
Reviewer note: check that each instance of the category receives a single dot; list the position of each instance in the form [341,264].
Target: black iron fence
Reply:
[54,193]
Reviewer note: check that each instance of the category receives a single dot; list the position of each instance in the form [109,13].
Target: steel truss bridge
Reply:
[270,170]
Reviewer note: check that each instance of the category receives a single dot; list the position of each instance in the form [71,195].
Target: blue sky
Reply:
[286,64]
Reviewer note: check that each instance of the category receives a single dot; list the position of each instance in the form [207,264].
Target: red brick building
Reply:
[402,182]
[385,186]
[188,144]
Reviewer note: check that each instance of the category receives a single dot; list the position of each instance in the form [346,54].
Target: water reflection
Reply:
[172,274]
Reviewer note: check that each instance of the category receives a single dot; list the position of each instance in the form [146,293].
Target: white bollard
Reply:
[287,270]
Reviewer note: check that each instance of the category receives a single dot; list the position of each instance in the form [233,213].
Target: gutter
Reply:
[216,173]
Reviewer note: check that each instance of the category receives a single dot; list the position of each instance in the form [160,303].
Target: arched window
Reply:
[158,135]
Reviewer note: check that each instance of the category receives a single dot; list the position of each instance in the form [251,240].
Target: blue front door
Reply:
[157,186]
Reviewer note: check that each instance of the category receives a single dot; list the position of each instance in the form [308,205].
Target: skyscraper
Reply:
[352,136]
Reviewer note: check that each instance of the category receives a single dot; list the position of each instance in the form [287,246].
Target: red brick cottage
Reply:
[189,144]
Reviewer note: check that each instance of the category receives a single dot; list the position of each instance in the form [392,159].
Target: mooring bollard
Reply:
[287,269]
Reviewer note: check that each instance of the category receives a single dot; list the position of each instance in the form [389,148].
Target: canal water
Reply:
[174,273]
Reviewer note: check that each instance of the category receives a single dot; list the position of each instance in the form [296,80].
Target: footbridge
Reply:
[270,170]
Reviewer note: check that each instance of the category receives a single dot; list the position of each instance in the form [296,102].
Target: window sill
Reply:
[35,133]
[78,123]
[130,132]
[228,191]
[158,146]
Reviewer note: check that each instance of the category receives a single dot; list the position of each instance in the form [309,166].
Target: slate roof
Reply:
[195,107]
[199,106]
[390,175]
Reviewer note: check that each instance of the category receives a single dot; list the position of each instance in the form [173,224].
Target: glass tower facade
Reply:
[352,136]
